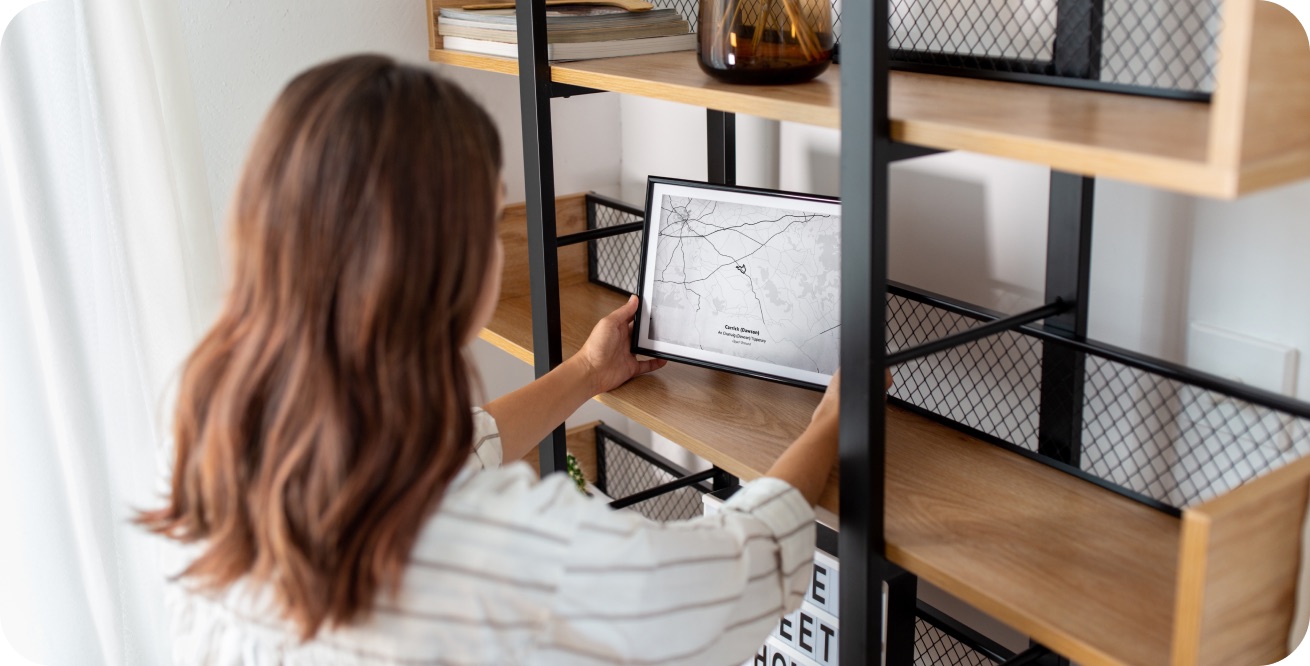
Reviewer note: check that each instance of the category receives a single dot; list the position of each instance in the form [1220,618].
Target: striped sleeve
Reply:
[487,449]
[704,591]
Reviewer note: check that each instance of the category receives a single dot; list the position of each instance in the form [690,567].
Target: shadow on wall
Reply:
[939,234]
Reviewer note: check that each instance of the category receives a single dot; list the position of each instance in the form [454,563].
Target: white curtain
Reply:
[108,274]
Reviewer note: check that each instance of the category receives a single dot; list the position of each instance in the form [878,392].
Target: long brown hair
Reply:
[320,420]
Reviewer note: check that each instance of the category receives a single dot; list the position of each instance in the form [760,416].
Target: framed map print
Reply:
[741,279]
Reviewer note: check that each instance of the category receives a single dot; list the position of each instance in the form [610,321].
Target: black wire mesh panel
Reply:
[992,385]
[689,9]
[1154,435]
[614,261]
[1177,442]
[626,467]
[933,647]
[1147,46]
[1158,437]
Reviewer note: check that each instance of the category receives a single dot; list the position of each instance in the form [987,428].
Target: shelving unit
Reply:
[1189,147]
[1087,571]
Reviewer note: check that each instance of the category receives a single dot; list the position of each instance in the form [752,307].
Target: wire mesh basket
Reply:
[940,641]
[613,261]
[1143,46]
[624,468]
[1149,47]
[1148,430]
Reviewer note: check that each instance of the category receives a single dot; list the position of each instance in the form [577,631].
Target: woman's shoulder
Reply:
[510,495]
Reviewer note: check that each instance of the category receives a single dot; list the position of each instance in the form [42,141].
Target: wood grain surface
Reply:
[1253,138]
[1080,569]
[1237,575]
[1275,118]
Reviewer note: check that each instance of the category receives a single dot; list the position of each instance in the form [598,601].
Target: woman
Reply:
[341,500]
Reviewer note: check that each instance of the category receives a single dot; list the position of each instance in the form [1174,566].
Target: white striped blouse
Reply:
[516,570]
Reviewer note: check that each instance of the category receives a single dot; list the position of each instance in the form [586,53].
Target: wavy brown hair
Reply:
[320,420]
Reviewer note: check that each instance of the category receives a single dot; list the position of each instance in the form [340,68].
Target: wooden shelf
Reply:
[1083,570]
[1252,136]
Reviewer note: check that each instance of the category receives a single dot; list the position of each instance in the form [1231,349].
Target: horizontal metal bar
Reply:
[664,488]
[1149,502]
[1051,80]
[984,65]
[602,232]
[990,328]
[611,202]
[940,301]
[1030,657]
[1161,367]
[570,90]
[909,151]
[964,634]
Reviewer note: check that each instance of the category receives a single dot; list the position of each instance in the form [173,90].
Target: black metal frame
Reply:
[535,92]
[867,150]
[1068,270]
[1043,79]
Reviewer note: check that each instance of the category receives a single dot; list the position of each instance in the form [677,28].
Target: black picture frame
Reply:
[647,237]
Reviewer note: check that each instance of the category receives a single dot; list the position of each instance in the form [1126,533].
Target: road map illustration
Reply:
[749,281]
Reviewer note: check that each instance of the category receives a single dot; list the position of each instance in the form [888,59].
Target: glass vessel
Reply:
[765,41]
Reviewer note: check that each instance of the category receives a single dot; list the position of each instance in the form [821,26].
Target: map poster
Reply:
[742,279]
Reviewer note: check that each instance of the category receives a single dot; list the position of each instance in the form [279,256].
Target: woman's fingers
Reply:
[626,311]
[650,365]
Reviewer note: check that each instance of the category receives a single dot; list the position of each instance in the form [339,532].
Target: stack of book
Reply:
[574,32]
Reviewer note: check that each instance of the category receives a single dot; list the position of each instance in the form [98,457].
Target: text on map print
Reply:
[749,281]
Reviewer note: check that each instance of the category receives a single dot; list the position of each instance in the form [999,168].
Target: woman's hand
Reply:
[607,355]
[827,410]
[807,463]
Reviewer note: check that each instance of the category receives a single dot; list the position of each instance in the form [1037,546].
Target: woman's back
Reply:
[512,570]
[343,502]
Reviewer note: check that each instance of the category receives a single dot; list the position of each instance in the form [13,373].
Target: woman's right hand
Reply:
[829,406]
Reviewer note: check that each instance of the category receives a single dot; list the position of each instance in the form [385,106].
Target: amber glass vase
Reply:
[765,41]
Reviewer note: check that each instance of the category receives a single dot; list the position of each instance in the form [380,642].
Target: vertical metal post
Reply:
[865,157]
[539,182]
[723,480]
[1078,37]
[721,159]
[721,145]
[1068,275]
[902,602]
[1068,268]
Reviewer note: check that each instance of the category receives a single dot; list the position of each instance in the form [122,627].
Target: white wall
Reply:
[1250,269]
[242,52]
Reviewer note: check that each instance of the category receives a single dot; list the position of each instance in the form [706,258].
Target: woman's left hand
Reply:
[607,355]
